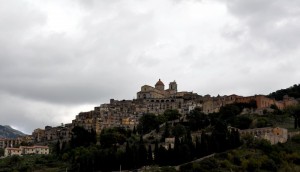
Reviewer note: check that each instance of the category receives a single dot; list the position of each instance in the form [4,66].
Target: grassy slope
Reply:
[254,156]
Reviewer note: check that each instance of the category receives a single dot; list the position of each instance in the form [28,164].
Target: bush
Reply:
[241,122]
[253,164]
[264,145]
[237,160]
[296,138]
[269,165]
[262,122]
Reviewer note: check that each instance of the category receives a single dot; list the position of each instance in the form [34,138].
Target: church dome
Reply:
[159,82]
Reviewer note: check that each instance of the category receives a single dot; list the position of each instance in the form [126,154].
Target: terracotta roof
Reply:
[159,82]
[41,147]
[13,148]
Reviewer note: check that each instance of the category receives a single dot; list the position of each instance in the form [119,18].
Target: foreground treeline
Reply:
[120,147]
[29,163]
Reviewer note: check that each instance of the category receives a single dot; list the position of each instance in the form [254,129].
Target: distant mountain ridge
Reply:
[8,132]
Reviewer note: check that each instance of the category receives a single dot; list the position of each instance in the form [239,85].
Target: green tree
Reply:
[198,148]
[162,156]
[1,152]
[178,131]
[171,114]
[241,122]
[219,136]
[295,112]
[156,154]
[204,144]
[262,122]
[147,123]
[228,112]
[197,119]
[293,91]
[150,155]
[112,136]
[277,111]
[142,152]
[166,132]
[82,137]
[234,139]
[134,130]
[128,158]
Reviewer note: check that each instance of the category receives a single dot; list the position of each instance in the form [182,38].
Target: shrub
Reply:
[296,138]
[269,165]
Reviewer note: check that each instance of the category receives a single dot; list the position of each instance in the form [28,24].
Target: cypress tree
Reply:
[150,155]
[198,147]
[156,152]
[142,155]
[237,138]
[166,132]
[57,148]
[134,130]
[162,155]
[128,159]
[204,144]
[135,156]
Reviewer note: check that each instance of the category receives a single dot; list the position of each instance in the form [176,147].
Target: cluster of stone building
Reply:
[213,104]
[274,135]
[5,142]
[157,99]
[13,146]
[26,150]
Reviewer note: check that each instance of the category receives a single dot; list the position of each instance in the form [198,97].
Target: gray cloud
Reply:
[274,23]
[62,57]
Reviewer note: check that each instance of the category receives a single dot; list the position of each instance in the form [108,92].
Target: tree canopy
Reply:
[293,91]
[82,137]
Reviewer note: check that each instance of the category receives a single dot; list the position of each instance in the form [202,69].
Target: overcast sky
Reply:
[61,57]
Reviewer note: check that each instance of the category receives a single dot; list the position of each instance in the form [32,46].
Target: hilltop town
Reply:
[149,99]
[167,127]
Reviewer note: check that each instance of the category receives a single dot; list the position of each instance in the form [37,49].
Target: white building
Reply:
[25,150]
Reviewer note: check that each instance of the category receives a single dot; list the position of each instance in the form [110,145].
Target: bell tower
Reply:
[173,86]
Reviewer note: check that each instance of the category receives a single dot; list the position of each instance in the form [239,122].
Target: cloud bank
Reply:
[62,57]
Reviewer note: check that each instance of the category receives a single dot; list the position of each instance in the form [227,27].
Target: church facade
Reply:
[149,92]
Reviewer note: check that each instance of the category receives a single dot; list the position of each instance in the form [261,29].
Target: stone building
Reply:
[52,134]
[169,143]
[148,92]
[8,142]
[274,135]
[213,104]
[27,150]
[88,120]
[2,143]
[289,101]
[157,99]
[12,151]
[261,101]
[39,135]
